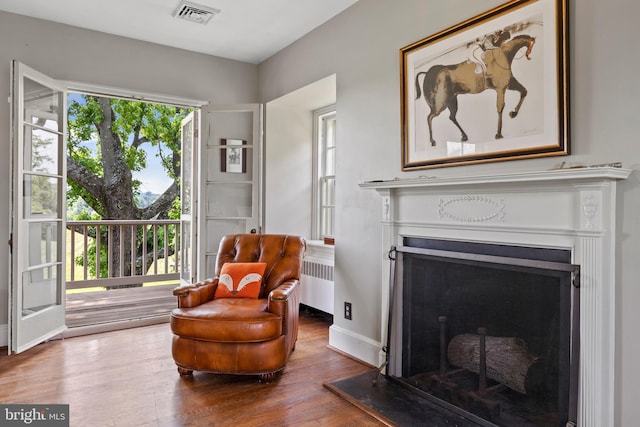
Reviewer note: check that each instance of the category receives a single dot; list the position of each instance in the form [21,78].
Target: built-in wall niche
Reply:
[289,157]
[490,331]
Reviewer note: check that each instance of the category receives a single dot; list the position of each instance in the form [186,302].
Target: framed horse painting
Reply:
[492,88]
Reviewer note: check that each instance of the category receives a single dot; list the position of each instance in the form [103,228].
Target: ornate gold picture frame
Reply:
[492,88]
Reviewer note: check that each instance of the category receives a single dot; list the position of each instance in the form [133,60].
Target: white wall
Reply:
[361,46]
[289,157]
[69,53]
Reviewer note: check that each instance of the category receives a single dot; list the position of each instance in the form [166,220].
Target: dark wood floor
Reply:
[128,378]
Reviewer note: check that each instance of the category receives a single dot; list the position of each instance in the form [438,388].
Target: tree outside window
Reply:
[108,140]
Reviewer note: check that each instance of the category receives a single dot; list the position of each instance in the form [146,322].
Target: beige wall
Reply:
[69,53]
[362,45]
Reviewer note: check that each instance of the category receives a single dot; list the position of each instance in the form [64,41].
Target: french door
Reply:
[188,198]
[38,148]
[229,186]
[232,176]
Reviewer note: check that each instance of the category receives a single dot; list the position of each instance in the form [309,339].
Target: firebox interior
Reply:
[490,330]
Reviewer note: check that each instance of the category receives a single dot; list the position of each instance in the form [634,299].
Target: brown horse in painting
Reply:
[443,83]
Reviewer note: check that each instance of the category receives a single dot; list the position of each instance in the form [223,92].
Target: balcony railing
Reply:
[114,253]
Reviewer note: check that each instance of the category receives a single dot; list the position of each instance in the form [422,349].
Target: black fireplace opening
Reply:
[490,331]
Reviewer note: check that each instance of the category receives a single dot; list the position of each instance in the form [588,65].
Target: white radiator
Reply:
[316,283]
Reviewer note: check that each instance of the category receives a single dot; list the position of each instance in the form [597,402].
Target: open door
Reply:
[188,198]
[38,148]
[232,176]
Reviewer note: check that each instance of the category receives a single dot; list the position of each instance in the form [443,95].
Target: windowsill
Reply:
[318,248]
[317,243]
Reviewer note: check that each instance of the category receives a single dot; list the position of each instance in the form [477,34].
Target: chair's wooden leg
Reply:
[184,371]
[267,378]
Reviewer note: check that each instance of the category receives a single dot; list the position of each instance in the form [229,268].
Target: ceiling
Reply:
[244,30]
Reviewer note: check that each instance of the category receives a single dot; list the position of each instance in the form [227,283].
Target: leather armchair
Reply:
[241,335]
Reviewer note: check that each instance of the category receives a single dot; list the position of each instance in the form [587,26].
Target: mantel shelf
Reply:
[566,176]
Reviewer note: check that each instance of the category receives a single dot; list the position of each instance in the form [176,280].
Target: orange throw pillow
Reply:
[240,280]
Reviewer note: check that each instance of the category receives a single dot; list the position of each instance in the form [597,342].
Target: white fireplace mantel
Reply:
[572,209]
[564,175]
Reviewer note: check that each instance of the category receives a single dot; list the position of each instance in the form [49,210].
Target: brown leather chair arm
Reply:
[285,302]
[197,293]
[284,290]
[280,296]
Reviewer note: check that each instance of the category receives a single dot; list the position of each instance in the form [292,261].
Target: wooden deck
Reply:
[116,305]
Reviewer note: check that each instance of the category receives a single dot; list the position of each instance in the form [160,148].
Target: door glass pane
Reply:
[187,141]
[40,196]
[225,128]
[40,289]
[42,246]
[185,248]
[216,230]
[41,150]
[229,199]
[42,105]
[230,125]
[230,164]
[220,228]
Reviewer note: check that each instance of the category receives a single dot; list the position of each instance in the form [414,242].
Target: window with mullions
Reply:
[324,171]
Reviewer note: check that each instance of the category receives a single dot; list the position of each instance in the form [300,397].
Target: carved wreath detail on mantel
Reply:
[484,207]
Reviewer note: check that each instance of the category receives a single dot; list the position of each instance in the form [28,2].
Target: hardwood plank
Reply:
[128,378]
[91,308]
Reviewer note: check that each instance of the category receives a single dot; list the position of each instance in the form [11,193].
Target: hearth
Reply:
[490,331]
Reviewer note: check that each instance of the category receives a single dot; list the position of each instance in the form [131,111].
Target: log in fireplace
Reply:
[488,331]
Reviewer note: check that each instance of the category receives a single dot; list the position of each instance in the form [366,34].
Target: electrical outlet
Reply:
[347,310]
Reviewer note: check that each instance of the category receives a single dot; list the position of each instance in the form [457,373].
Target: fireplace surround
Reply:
[568,210]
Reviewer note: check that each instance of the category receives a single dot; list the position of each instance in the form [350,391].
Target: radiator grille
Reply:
[316,284]
[317,270]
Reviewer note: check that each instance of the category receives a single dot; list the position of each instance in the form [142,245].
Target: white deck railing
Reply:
[128,261]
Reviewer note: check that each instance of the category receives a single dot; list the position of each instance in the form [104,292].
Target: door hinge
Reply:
[10,242]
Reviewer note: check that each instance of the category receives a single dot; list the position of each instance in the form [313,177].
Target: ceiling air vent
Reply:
[194,12]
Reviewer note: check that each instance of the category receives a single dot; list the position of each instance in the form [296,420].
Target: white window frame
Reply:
[132,95]
[320,151]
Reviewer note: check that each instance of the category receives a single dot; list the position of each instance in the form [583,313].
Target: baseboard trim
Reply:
[355,345]
[4,335]
[355,359]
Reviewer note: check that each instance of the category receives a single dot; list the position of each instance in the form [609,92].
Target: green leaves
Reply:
[141,128]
